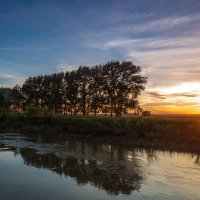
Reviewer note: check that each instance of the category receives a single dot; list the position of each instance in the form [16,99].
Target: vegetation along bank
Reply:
[154,132]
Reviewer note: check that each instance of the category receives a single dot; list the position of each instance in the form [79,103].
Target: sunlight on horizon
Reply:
[180,99]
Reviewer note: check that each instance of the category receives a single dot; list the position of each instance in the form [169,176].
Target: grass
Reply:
[142,131]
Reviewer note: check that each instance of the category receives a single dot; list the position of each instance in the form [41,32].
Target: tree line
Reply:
[112,88]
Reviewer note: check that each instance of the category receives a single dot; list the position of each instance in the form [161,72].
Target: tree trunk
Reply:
[95,111]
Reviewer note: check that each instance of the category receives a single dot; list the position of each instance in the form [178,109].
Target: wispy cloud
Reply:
[160,24]
[161,96]
[9,80]
[153,43]
[166,61]
[116,36]
[184,97]
[65,67]
[6,75]
[169,66]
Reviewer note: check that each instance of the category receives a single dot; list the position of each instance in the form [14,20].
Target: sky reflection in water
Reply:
[38,169]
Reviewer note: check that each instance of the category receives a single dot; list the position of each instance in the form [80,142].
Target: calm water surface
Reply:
[37,169]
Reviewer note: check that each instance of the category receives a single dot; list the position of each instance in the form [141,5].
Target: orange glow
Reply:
[179,99]
[172,110]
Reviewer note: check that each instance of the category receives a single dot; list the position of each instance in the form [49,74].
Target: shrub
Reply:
[47,114]
[146,113]
[31,110]
[144,126]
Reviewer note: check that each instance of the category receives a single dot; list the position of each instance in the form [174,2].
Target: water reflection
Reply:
[4,148]
[197,160]
[116,174]
[114,169]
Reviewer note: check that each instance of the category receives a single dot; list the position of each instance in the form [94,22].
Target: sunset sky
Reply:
[162,36]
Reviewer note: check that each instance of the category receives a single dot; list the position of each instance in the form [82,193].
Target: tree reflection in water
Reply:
[113,169]
[197,160]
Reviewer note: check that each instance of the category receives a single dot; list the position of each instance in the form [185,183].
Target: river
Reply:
[36,168]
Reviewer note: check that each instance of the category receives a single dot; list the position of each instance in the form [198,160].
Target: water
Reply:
[34,168]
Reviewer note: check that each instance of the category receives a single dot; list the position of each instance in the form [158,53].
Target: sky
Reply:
[162,36]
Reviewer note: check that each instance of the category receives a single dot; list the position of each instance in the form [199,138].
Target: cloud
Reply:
[116,35]
[9,80]
[153,43]
[65,67]
[159,100]
[117,17]
[161,96]
[166,61]
[183,98]
[160,24]
[161,104]
[6,75]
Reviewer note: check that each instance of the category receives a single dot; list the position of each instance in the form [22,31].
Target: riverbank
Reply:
[151,132]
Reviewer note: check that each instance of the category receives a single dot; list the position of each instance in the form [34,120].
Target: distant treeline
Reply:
[107,88]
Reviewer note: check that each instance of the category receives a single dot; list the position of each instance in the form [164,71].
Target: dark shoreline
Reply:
[130,142]
[121,141]
[152,133]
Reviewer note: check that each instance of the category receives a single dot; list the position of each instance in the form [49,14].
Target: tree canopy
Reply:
[107,88]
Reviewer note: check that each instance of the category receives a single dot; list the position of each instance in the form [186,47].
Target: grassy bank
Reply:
[165,133]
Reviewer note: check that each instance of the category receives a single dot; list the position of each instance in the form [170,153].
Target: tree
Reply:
[84,82]
[28,92]
[3,102]
[112,87]
[97,96]
[122,83]
[17,98]
[71,91]
[57,92]
[5,97]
